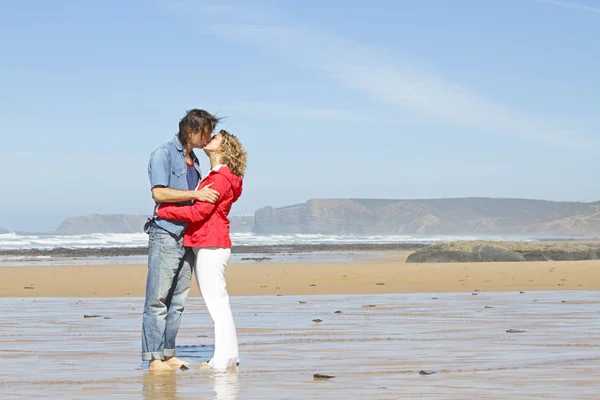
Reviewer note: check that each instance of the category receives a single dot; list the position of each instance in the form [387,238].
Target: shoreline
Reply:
[64,252]
[270,252]
[119,251]
[382,275]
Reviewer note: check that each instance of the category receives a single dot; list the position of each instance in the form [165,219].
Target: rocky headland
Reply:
[462,216]
[508,218]
[498,251]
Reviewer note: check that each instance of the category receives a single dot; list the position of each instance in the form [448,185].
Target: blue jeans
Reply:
[167,287]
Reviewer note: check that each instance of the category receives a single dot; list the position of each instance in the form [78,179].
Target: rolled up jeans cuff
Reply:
[170,352]
[154,355]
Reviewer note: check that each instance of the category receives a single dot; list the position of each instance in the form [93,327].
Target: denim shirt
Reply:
[167,168]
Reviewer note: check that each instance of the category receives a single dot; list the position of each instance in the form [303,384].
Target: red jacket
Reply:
[208,224]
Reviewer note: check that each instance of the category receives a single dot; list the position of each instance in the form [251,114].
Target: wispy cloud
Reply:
[271,110]
[575,6]
[387,80]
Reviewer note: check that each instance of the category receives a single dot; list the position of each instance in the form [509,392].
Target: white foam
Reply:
[50,241]
[13,241]
[251,239]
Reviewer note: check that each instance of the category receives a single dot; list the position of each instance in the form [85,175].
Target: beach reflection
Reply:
[225,385]
[163,385]
[159,385]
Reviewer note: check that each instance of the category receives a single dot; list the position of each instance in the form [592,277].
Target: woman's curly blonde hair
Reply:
[233,153]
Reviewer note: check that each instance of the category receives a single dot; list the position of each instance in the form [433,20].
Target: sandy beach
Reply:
[383,328]
[382,275]
[535,345]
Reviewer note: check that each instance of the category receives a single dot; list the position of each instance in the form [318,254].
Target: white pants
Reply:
[210,276]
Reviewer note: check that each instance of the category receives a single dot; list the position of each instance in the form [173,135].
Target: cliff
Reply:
[477,216]
[103,223]
[465,216]
[126,223]
[241,223]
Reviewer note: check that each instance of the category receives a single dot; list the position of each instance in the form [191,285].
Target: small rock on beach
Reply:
[322,376]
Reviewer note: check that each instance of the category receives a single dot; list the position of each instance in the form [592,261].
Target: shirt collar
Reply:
[177,143]
[179,147]
[218,167]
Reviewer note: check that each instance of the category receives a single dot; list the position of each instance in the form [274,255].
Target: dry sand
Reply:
[384,275]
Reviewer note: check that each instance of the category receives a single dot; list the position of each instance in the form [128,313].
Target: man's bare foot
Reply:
[202,365]
[175,362]
[158,365]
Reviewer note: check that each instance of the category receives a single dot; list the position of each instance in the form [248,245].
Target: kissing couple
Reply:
[189,231]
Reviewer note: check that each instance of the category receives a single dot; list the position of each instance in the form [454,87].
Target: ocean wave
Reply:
[50,241]
[15,241]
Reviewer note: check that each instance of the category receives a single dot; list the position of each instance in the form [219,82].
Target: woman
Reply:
[208,234]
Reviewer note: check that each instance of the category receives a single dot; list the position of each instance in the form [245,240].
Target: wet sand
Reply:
[381,275]
[375,348]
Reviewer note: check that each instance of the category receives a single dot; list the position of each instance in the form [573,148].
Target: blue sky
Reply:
[378,99]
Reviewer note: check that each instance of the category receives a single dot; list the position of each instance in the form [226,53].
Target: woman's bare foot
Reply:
[158,365]
[175,362]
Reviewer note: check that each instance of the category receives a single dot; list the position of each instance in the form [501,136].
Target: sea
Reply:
[16,241]
[27,248]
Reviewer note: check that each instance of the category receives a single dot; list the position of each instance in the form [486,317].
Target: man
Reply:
[174,173]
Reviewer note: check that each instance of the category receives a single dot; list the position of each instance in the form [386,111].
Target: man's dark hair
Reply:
[196,121]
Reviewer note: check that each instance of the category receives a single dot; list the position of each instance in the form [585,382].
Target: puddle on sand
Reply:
[49,350]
